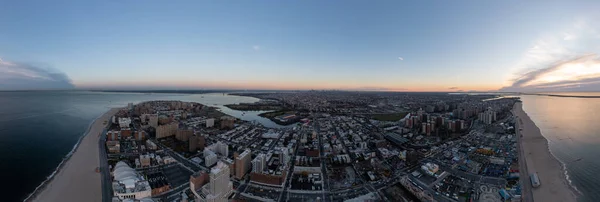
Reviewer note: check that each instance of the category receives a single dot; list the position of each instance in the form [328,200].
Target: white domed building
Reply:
[128,184]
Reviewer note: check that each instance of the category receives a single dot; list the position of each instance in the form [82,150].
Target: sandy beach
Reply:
[77,179]
[538,159]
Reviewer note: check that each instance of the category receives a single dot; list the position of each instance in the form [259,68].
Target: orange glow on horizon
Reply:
[240,85]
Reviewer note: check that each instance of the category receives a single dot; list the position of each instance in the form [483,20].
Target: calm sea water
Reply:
[572,128]
[37,129]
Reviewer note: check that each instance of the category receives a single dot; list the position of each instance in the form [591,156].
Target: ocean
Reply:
[573,132]
[37,129]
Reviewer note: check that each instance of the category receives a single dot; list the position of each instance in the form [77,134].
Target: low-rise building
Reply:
[128,184]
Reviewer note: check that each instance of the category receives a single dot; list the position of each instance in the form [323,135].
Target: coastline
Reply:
[538,158]
[75,178]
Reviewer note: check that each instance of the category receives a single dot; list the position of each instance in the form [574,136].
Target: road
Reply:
[323,160]
[184,161]
[288,179]
[526,193]
[104,170]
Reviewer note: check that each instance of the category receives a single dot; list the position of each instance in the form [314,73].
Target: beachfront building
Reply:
[487,117]
[124,122]
[128,184]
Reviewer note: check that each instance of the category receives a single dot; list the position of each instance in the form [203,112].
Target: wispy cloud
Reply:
[19,76]
[452,88]
[400,58]
[554,62]
[574,73]
[256,47]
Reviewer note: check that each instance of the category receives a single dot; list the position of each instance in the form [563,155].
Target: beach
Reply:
[77,179]
[536,157]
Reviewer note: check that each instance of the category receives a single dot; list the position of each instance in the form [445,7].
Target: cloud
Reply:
[564,61]
[400,58]
[256,47]
[18,76]
[452,88]
[568,37]
[577,73]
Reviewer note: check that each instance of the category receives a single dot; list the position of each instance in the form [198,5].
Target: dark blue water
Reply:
[572,128]
[37,129]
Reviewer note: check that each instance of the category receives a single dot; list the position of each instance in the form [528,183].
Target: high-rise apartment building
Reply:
[167,130]
[259,163]
[210,158]
[220,187]
[242,163]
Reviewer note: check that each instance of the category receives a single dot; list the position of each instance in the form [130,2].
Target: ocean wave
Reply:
[563,165]
[42,185]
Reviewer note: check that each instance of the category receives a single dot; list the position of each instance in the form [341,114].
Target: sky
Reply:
[343,45]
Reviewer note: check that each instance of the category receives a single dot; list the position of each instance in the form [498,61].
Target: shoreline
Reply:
[84,150]
[538,158]
[40,187]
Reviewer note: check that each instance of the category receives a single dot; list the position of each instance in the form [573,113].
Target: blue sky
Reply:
[463,45]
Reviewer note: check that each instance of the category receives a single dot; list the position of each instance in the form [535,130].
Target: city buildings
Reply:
[210,158]
[333,154]
[488,116]
[167,130]
[128,184]
[210,123]
[124,122]
[220,187]
[242,163]
[197,180]
[227,122]
[219,148]
[183,135]
[113,135]
[259,163]
[149,120]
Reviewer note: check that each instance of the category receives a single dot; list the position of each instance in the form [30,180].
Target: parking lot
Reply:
[262,193]
[177,175]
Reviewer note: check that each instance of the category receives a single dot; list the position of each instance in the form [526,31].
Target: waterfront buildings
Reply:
[227,122]
[124,122]
[487,117]
[128,184]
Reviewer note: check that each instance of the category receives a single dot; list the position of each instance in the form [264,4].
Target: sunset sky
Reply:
[346,45]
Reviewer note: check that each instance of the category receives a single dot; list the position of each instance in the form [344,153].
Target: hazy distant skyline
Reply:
[345,45]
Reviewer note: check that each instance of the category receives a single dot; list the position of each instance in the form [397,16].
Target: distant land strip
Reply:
[555,95]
